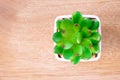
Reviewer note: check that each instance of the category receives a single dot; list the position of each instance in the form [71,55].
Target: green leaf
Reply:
[85,32]
[79,38]
[57,37]
[58,24]
[95,38]
[67,24]
[58,49]
[76,38]
[77,27]
[86,22]
[73,39]
[67,45]
[87,53]
[78,50]
[76,17]
[60,43]
[95,25]
[67,54]
[92,31]
[75,59]
[95,49]
[67,28]
[87,43]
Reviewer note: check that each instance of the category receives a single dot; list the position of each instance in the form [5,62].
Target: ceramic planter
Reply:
[94,58]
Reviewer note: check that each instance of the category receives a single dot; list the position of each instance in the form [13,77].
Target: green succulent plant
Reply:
[77,38]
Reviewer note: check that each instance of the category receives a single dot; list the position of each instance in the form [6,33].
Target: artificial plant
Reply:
[77,37]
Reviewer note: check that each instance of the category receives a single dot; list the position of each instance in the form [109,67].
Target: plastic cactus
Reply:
[77,38]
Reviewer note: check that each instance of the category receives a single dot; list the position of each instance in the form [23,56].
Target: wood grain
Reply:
[26,46]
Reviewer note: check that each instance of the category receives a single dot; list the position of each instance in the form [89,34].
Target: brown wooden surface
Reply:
[26,46]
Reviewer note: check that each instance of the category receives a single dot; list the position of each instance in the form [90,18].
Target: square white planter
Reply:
[99,30]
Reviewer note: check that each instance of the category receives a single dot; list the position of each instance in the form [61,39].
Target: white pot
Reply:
[99,30]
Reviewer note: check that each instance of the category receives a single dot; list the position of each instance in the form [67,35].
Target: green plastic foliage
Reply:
[77,38]
[75,59]
[95,25]
[87,53]
[58,24]
[95,49]
[86,22]
[57,37]
[87,43]
[85,32]
[78,50]
[58,49]
[77,17]
[66,24]
[67,28]
[95,38]
[77,27]
[67,45]
[67,54]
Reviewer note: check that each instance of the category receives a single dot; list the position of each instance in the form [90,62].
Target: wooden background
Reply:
[26,46]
